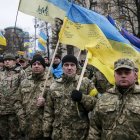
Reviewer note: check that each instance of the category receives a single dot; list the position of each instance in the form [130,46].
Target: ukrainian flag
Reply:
[86,29]
[42,41]
[2,40]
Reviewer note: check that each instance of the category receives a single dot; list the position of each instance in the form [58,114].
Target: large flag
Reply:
[86,29]
[45,10]
[2,40]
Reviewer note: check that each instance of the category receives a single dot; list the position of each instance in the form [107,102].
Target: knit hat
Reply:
[40,59]
[124,63]
[58,56]
[9,56]
[69,58]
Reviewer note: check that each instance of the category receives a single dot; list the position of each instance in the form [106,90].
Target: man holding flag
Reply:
[66,109]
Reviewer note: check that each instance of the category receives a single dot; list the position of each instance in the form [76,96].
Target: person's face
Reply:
[9,63]
[56,60]
[1,64]
[125,77]
[17,60]
[69,69]
[37,68]
[46,60]
[23,63]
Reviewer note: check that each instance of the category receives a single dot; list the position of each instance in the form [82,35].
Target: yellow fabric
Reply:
[41,9]
[21,52]
[42,41]
[93,92]
[2,41]
[102,53]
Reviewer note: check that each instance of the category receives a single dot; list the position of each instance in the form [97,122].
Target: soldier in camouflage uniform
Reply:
[10,79]
[30,90]
[66,109]
[117,113]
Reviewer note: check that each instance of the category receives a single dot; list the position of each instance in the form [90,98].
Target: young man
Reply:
[66,109]
[116,115]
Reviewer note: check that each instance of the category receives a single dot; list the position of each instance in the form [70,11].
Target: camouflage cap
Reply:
[124,63]
[23,59]
[9,56]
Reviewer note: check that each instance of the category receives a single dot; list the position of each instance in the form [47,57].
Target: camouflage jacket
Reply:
[116,116]
[29,91]
[61,120]
[9,83]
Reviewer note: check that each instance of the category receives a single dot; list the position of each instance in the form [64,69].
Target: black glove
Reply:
[47,138]
[76,95]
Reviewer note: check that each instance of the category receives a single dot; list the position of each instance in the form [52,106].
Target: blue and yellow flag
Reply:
[45,10]
[2,40]
[42,41]
[86,29]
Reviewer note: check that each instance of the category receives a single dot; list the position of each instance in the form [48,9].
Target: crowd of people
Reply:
[35,108]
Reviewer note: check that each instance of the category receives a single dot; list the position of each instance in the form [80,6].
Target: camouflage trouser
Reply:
[9,127]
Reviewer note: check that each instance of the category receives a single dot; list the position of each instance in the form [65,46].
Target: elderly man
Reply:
[29,97]
[117,113]
[10,80]
[66,110]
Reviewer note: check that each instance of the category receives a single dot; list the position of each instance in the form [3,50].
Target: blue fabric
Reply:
[58,71]
[133,39]
[63,4]
[41,47]
[82,15]
[43,35]
[111,20]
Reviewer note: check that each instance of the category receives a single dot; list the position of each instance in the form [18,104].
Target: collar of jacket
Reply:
[37,77]
[66,79]
[135,89]
[14,68]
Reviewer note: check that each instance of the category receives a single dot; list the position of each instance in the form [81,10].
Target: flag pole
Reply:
[17,14]
[49,70]
[80,81]
[78,56]
[82,74]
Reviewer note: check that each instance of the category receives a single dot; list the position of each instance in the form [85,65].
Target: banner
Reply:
[45,10]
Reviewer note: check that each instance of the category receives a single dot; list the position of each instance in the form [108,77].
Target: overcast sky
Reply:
[8,11]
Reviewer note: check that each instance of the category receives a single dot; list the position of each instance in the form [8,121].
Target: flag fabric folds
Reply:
[45,10]
[132,39]
[2,40]
[86,29]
